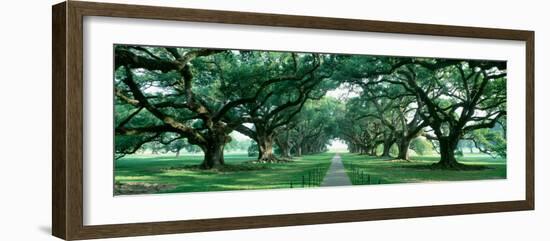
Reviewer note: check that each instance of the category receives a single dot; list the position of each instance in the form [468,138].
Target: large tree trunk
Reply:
[285,146]
[285,149]
[265,146]
[299,150]
[404,148]
[286,152]
[447,147]
[387,147]
[213,156]
[213,152]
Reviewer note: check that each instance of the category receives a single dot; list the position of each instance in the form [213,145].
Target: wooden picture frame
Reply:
[67,138]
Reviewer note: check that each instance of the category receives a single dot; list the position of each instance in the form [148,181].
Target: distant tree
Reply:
[421,146]
[237,145]
[176,146]
[315,126]
[362,130]
[253,149]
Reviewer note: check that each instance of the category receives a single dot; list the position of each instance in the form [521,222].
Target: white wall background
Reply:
[25,120]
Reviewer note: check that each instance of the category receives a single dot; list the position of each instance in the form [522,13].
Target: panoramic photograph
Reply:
[203,120]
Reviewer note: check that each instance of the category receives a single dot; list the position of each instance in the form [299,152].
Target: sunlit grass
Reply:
[182,175]
[417,170]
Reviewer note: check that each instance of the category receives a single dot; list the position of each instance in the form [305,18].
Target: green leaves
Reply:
[200,94]
[490,141]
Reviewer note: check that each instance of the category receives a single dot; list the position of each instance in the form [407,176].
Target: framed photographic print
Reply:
[170,120]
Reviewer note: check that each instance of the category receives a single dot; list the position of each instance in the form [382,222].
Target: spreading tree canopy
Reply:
[196,97]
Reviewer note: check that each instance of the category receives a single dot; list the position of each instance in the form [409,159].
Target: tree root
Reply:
[273,159]
[399,160]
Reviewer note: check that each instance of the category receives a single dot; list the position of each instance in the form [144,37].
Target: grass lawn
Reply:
[360,167]
[167,174]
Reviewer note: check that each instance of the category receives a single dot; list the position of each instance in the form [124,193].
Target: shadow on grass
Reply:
[459,167]
[243,167]
[148,175]
[140,188]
